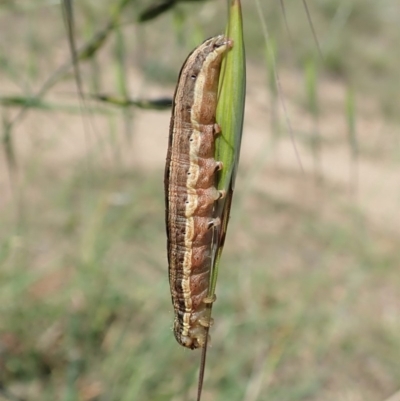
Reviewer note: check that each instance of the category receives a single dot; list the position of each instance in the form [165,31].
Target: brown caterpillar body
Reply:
[190,191]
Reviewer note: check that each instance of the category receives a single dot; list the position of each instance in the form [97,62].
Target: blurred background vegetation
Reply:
[309,290]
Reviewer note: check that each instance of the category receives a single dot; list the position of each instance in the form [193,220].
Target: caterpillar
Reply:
[190,192]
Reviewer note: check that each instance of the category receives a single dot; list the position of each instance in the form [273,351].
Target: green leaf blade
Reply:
[230,116]
[230,109]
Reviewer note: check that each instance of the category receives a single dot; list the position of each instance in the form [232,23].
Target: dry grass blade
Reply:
[68,14]
[40,104]
[162,103]
[8,146]
[155,10]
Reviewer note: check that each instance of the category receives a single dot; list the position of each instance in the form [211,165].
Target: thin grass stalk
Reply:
[94,81]
[313,108]
[352,138]
[279,87]
[270,57]
[122,81]
[8,145]
[313,29]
